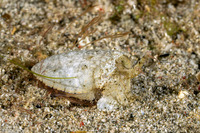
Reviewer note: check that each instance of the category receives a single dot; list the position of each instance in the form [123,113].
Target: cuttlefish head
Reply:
[125,66]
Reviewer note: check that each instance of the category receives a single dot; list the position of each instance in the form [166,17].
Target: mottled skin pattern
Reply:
[108,72]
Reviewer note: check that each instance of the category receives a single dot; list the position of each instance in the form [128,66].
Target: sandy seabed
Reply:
[166,93]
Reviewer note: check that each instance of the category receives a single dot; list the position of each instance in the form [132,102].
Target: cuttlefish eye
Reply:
[124,63]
